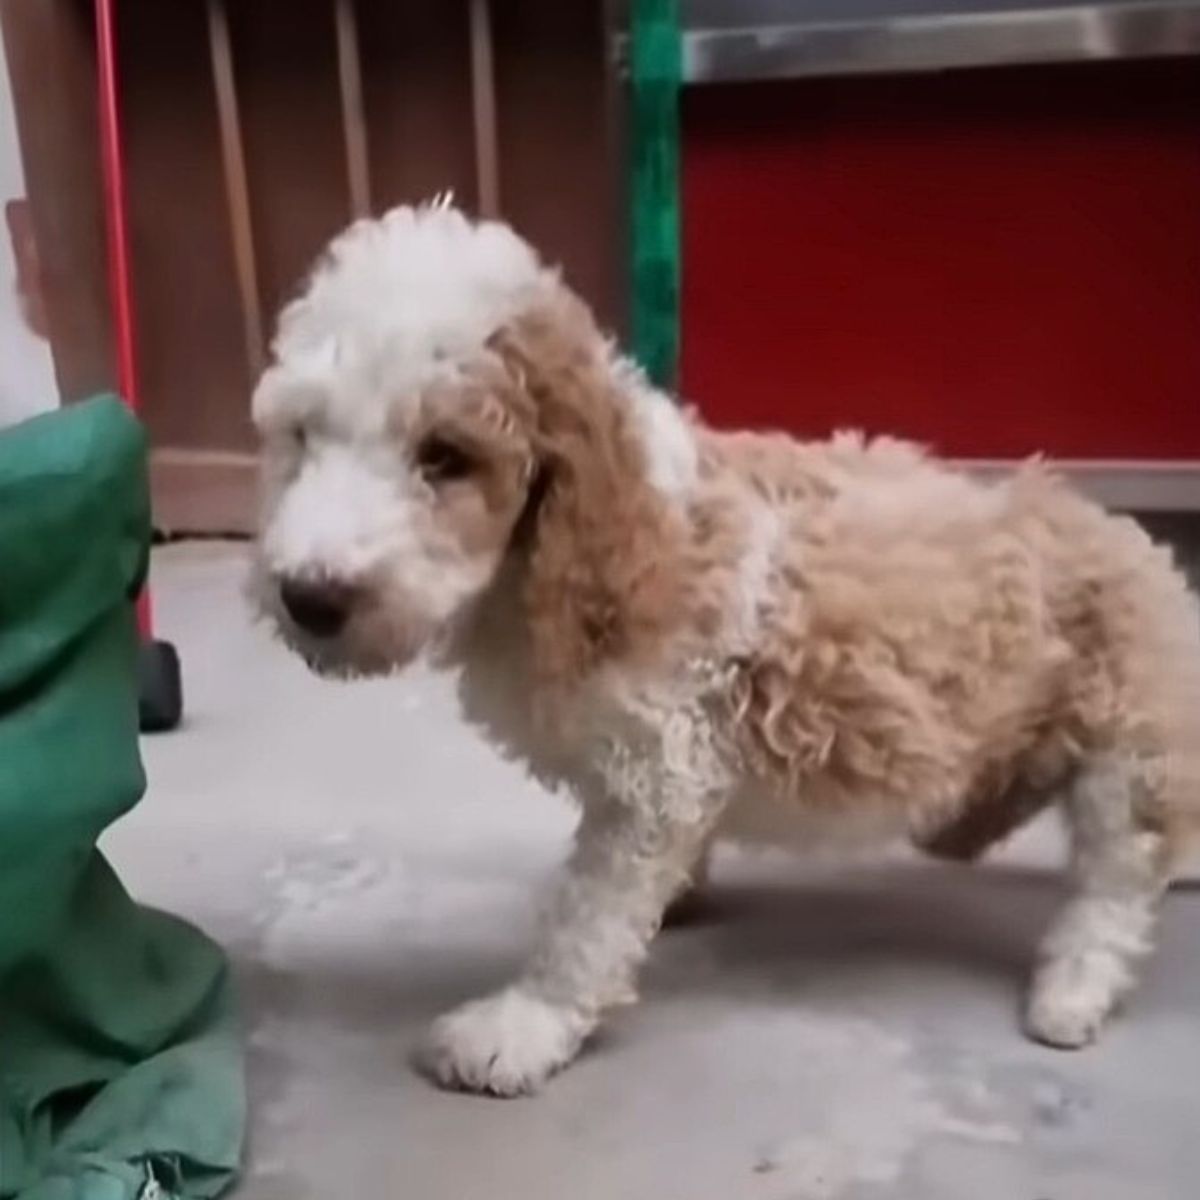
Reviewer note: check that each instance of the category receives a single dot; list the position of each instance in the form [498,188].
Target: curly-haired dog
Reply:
[701,634]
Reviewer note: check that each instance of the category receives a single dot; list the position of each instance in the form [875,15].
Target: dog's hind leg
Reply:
[970,834]
[1119,870]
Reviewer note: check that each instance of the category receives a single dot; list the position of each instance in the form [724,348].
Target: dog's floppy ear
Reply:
[606,575]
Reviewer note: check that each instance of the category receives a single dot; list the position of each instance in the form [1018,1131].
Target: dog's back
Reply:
[948,652]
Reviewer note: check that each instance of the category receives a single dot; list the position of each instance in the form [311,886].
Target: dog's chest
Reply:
[495,694]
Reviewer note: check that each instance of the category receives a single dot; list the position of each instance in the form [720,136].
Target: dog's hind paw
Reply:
[508,1044]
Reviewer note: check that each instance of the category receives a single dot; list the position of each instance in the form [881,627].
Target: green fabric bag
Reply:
[120,1064]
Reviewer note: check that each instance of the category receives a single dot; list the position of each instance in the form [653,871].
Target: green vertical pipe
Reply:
[655,67]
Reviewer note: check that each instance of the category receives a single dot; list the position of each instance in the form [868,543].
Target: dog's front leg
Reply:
[636,846]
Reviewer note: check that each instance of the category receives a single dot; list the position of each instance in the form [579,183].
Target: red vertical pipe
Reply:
[119,273]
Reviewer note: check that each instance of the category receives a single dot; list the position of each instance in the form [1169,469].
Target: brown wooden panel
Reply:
[237,187]
[287,71]
[483,105]
[417,83]
[203,491]
[354,121]
[558,179]
[615,16]
[51,64]
[191,355]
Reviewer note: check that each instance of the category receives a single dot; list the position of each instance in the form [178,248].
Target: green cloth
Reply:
[120,1063]
[655,61]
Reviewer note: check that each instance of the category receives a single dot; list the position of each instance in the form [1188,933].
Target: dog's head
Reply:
[432,387]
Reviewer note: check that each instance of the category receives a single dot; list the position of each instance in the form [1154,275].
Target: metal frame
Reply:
[724,42]
[1135,485]
[734,40]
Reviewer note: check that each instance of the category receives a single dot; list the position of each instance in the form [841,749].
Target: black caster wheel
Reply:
[160,687]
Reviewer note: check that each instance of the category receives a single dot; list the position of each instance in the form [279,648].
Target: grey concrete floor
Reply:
[822,1034]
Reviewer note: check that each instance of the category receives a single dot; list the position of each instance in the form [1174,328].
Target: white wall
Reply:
[26,372]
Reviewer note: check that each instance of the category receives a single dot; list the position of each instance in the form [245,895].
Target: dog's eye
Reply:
[299,437]
[440,461]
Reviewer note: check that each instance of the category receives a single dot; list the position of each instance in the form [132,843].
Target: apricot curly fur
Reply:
[701,634]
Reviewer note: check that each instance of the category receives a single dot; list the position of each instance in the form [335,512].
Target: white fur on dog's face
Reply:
[393,472]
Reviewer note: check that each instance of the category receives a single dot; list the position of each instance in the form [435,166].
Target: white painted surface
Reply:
[26,371]
[844,1035]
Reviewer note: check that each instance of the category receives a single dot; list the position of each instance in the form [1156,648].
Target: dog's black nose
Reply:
[319,607]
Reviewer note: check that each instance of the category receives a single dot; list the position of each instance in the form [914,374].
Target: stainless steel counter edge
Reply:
[895,43]
[1133,485]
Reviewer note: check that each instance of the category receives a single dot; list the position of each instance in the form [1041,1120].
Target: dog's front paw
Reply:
[504,1045]
[1069,1001]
